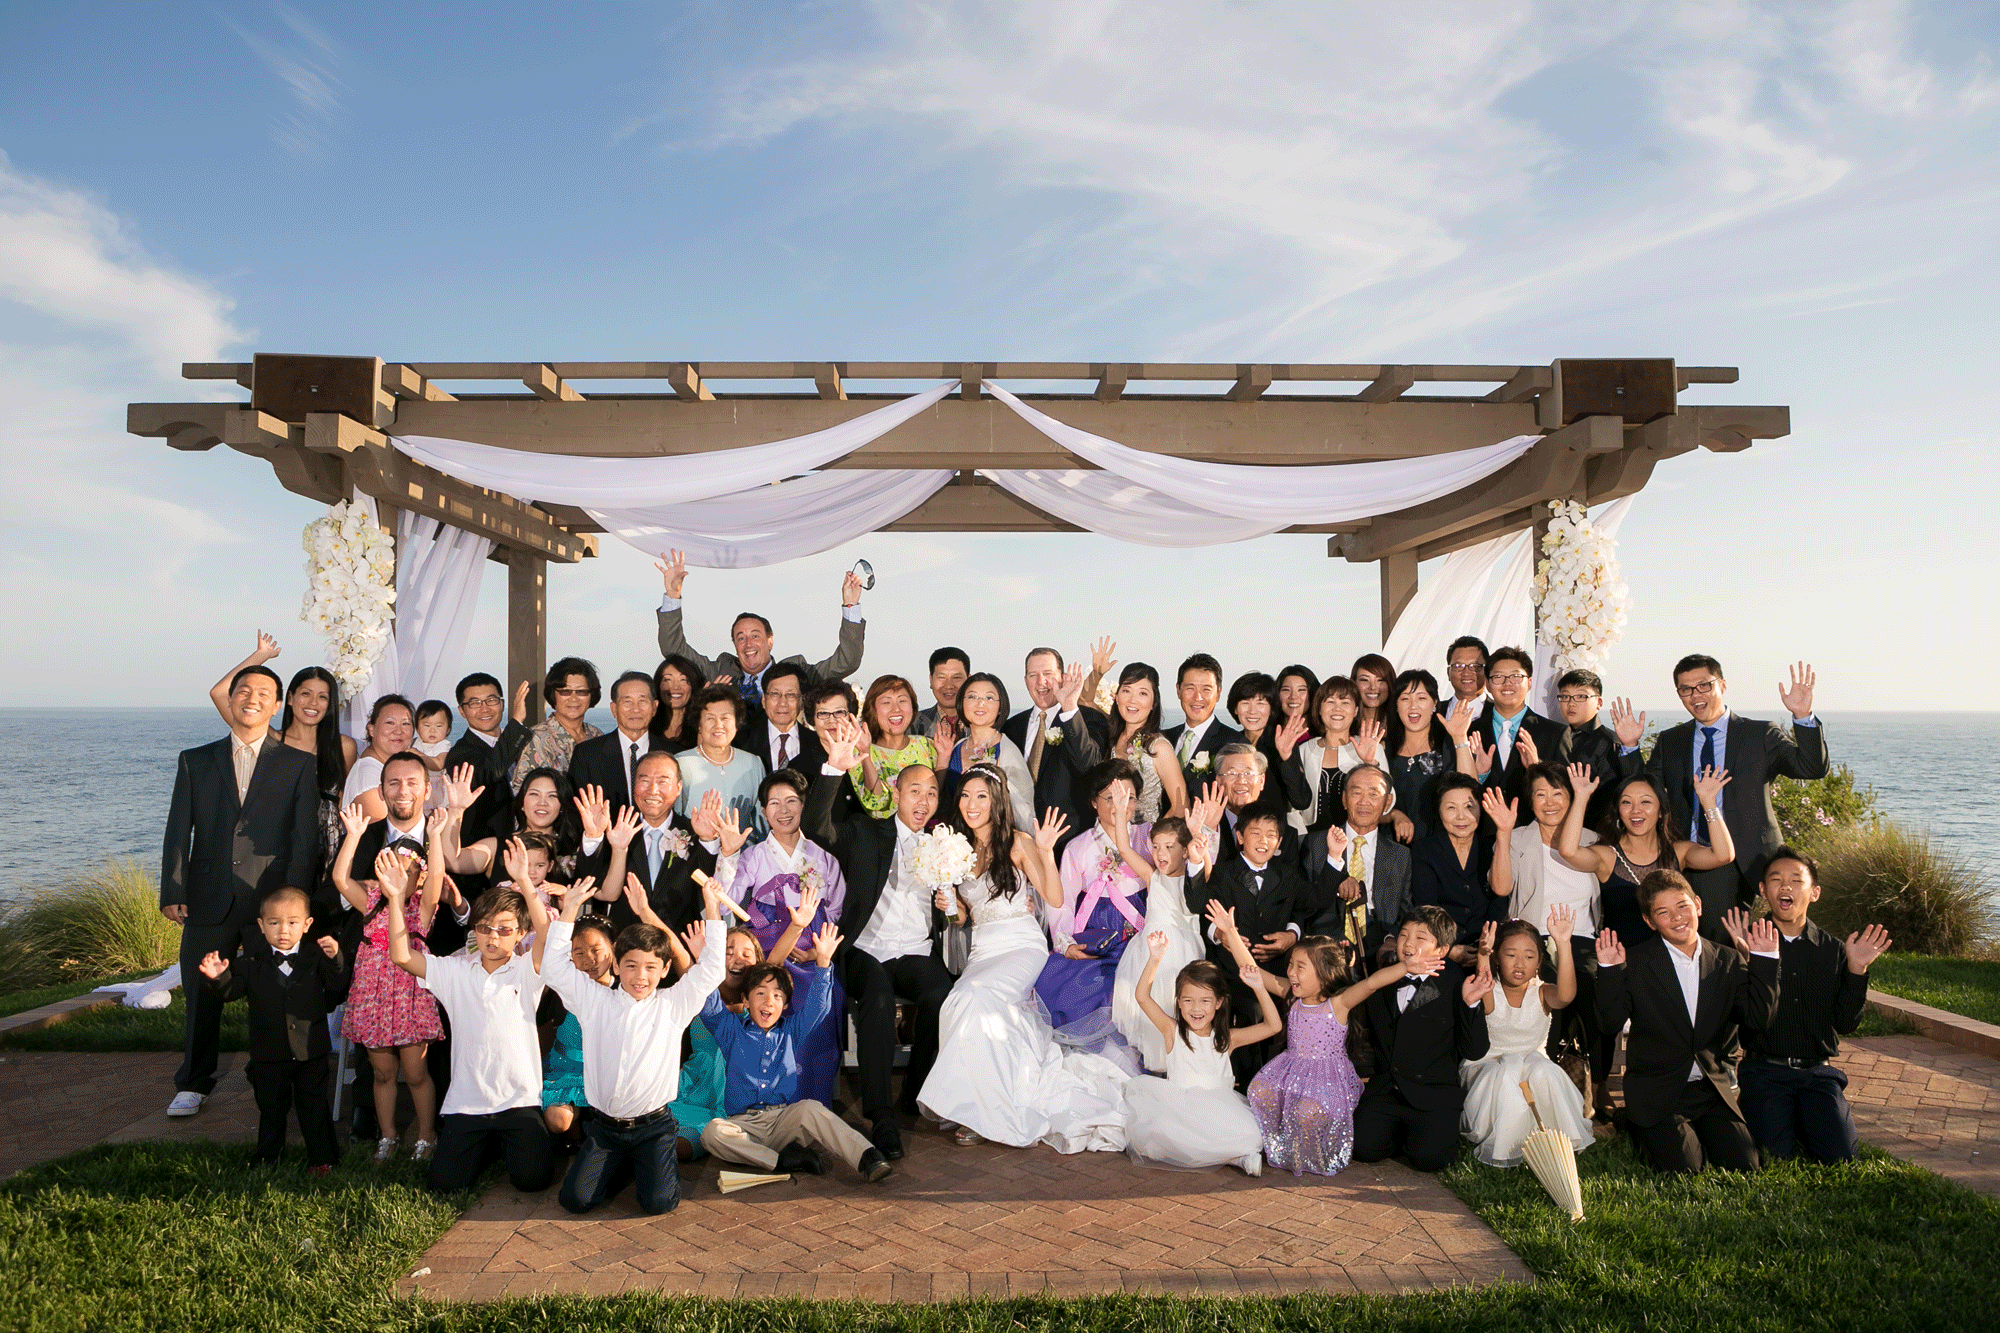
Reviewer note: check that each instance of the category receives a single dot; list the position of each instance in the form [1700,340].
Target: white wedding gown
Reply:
[1166,910]
[999,1071]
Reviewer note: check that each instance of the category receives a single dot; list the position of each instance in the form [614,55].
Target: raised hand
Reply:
[353,820]
[514,860]
[392,873]
[1583,780]
[1252,975]
[519,712]
[1561,921]
[1223,919]
[1798,697]
[584,888]
[1071,689]
[1459,724]
[843,743]
[1368,741]
[1477,986]
[450,896]
[730,831]
[1121,812]
[1050,828]
[329,946]
[1198,848]
[1630,726]
[459,793]
[825,940]
[693,938]
[1336,844]
[1736,924]
[1486,934]
[211,965]
[1289,735]
[1501,811]
[944,734]
[1708,785]
[850,589]
[711,897]
[1156,945]
[1482,754]
[706,820]
[625,827]
[594,808]
[1524,746]
[1101,660]
[802,915]
[267,648]
[673,573]
[1865,946]
[1610,953]
[1764,936]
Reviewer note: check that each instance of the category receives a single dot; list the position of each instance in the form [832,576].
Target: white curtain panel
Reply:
[1281,496]
[770,524]
[1446,605]
[1107,503]
[641,483]
[438,572]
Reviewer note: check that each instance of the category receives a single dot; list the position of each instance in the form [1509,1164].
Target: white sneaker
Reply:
[186,1103]
[1253,1164]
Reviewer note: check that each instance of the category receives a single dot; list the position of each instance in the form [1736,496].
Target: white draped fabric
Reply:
[641,483]
[1319,493]
[1107,503]
[439,568]
[800,517]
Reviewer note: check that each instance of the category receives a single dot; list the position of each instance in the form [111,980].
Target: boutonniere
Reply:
[1053,736]
[1202,762]
[676,843]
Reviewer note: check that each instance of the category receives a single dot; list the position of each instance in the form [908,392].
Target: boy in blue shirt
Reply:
[767,1124]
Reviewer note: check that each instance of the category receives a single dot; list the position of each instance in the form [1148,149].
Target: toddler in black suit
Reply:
[292,983]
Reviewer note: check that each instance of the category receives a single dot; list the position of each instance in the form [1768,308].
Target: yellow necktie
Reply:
[1357,911]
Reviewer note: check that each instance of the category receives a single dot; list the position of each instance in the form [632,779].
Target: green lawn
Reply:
[116,1028]
[21,1001]
[153,1236]
[1960,985]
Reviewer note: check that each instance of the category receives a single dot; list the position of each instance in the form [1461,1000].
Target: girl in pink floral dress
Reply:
[387,1011]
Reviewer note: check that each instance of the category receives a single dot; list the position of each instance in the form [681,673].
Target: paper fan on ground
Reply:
[1552,1157]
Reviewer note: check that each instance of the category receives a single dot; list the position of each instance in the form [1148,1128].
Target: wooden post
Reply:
[527,626]
[1399,585]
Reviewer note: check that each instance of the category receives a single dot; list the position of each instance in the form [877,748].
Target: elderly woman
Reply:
[571,690]
[392,721]
[715,764]
[886,713]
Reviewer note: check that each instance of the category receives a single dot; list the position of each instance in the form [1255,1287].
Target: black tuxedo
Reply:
[1681,1123]
[1595,745]
[222,855]
[491,767]
[1388,881]
[1086,738]
[1512,781]
[674,895]
[1288,839]
[289,1043]
[1754,752]
[866,849]
[807,754]
[600,762]
[1219,734]
[1414,1099]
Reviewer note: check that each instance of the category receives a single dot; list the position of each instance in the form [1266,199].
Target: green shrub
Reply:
[1931,901]
[96,924]
[1810,812]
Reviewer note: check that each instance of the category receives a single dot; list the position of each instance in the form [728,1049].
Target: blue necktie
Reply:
[653,852]
[1707,762]
[753,690]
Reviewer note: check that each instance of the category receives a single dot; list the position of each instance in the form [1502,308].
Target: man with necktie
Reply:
[1061,740]
[607,762]
[751,636]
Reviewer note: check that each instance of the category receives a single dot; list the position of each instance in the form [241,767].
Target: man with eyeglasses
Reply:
[1595,744]
[491,743]
[751,635]
[779,732]
[828,709]
[1754,753]
[1516,735]
[1465,672]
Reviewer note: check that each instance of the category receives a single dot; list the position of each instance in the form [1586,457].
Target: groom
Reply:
[892,923]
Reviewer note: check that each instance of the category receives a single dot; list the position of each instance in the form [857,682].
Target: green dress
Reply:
[918,750]
[701,1087]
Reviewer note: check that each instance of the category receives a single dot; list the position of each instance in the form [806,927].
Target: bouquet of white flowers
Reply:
[350,597]
[1579,592]
[942,858]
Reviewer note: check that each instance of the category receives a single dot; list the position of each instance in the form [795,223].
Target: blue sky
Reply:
[1807,192]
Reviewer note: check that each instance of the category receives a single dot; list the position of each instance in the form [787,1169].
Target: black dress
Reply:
[1620,900]
[1414,776]
[1438,880]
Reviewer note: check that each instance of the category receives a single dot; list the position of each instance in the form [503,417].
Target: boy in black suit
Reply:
[1266,898]
[1422,1027]
[292,987]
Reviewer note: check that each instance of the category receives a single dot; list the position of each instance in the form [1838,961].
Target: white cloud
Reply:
[306,64]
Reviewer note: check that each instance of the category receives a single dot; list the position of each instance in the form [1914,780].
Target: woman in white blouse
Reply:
[1335,749]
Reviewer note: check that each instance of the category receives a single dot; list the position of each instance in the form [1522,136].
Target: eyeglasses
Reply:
[494,932]
[1701,691]
[828,717]
[572,694]
[1456,667]
[480,701]
[1574,698]
[1511,678]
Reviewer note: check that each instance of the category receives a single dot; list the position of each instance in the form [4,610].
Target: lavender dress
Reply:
[1094,880]
[1304,1099]
[767,883]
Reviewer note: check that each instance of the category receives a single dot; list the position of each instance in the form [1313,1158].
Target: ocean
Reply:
[89,783]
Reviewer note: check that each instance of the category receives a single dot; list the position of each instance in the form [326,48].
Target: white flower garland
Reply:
[350,598]
[1579,595]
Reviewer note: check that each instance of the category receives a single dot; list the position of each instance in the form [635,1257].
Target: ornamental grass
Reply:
[95,924]
[1931,900]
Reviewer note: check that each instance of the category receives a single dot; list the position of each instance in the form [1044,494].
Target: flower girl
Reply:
[1174,863]
[1194,1118]
[1496,1115]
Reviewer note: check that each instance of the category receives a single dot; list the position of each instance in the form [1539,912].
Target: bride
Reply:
[999,1074]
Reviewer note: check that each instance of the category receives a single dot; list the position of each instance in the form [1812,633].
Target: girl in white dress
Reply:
[1496,1115]
[999,1073]
[1174,860]
[1194,1118]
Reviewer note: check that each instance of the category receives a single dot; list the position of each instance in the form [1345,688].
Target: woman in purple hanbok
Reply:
[1104,879]
[768,879]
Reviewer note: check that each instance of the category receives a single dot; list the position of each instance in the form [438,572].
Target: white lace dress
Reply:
[1496,1115]
[999,1071]
[1193,1118]
[1166,911]
[1152,800]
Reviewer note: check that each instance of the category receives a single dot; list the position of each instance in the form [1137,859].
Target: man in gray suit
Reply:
[1358,865]
[751,634]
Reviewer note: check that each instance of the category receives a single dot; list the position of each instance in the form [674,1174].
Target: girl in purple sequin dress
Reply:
[1304,1099]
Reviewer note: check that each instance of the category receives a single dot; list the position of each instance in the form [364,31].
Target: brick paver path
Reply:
[55,1102]
[1935,1105]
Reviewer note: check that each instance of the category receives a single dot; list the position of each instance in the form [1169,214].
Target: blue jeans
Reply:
[608,1152]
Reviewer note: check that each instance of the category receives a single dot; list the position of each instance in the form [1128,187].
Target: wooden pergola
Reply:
[323,424]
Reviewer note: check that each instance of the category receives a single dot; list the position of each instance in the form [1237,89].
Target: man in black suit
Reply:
[891,925]
[778,732]
[1507,721]
[664,853]
[949,668]
[752,638]
[607,761]
[1061,741]
[1239,781]
[244,820]
[1754,753]
[1197,740]
[1587,740]
[491,749]
[1422,1027]
[1685,997]
[1359,872]
[293,983]
[1465,672]
[1268,899]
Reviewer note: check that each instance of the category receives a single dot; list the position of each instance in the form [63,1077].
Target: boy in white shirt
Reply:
[632,1053]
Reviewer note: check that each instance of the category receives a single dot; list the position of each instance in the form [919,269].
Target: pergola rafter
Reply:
[323,425]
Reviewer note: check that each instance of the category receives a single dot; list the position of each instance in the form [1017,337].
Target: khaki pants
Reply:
[754,1137]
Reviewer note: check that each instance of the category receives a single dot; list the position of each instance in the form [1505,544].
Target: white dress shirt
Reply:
[644,740]
[496,1054]
[791,738]
[1687,971]
[243,756]
[900,925]
[632,1048]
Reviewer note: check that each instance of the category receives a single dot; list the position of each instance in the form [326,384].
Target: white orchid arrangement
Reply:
[1580,597]
[350,591]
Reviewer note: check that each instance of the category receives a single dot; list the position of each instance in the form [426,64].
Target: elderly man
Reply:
[949,668]
[664,854]
[1359,872]
[608,761]
[1240,773]
[1061,741]
[779,733]
[244,820]
[751,635]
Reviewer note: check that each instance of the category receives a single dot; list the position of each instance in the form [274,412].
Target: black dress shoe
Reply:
[798,1160]
[873,1168]
[888,1139]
